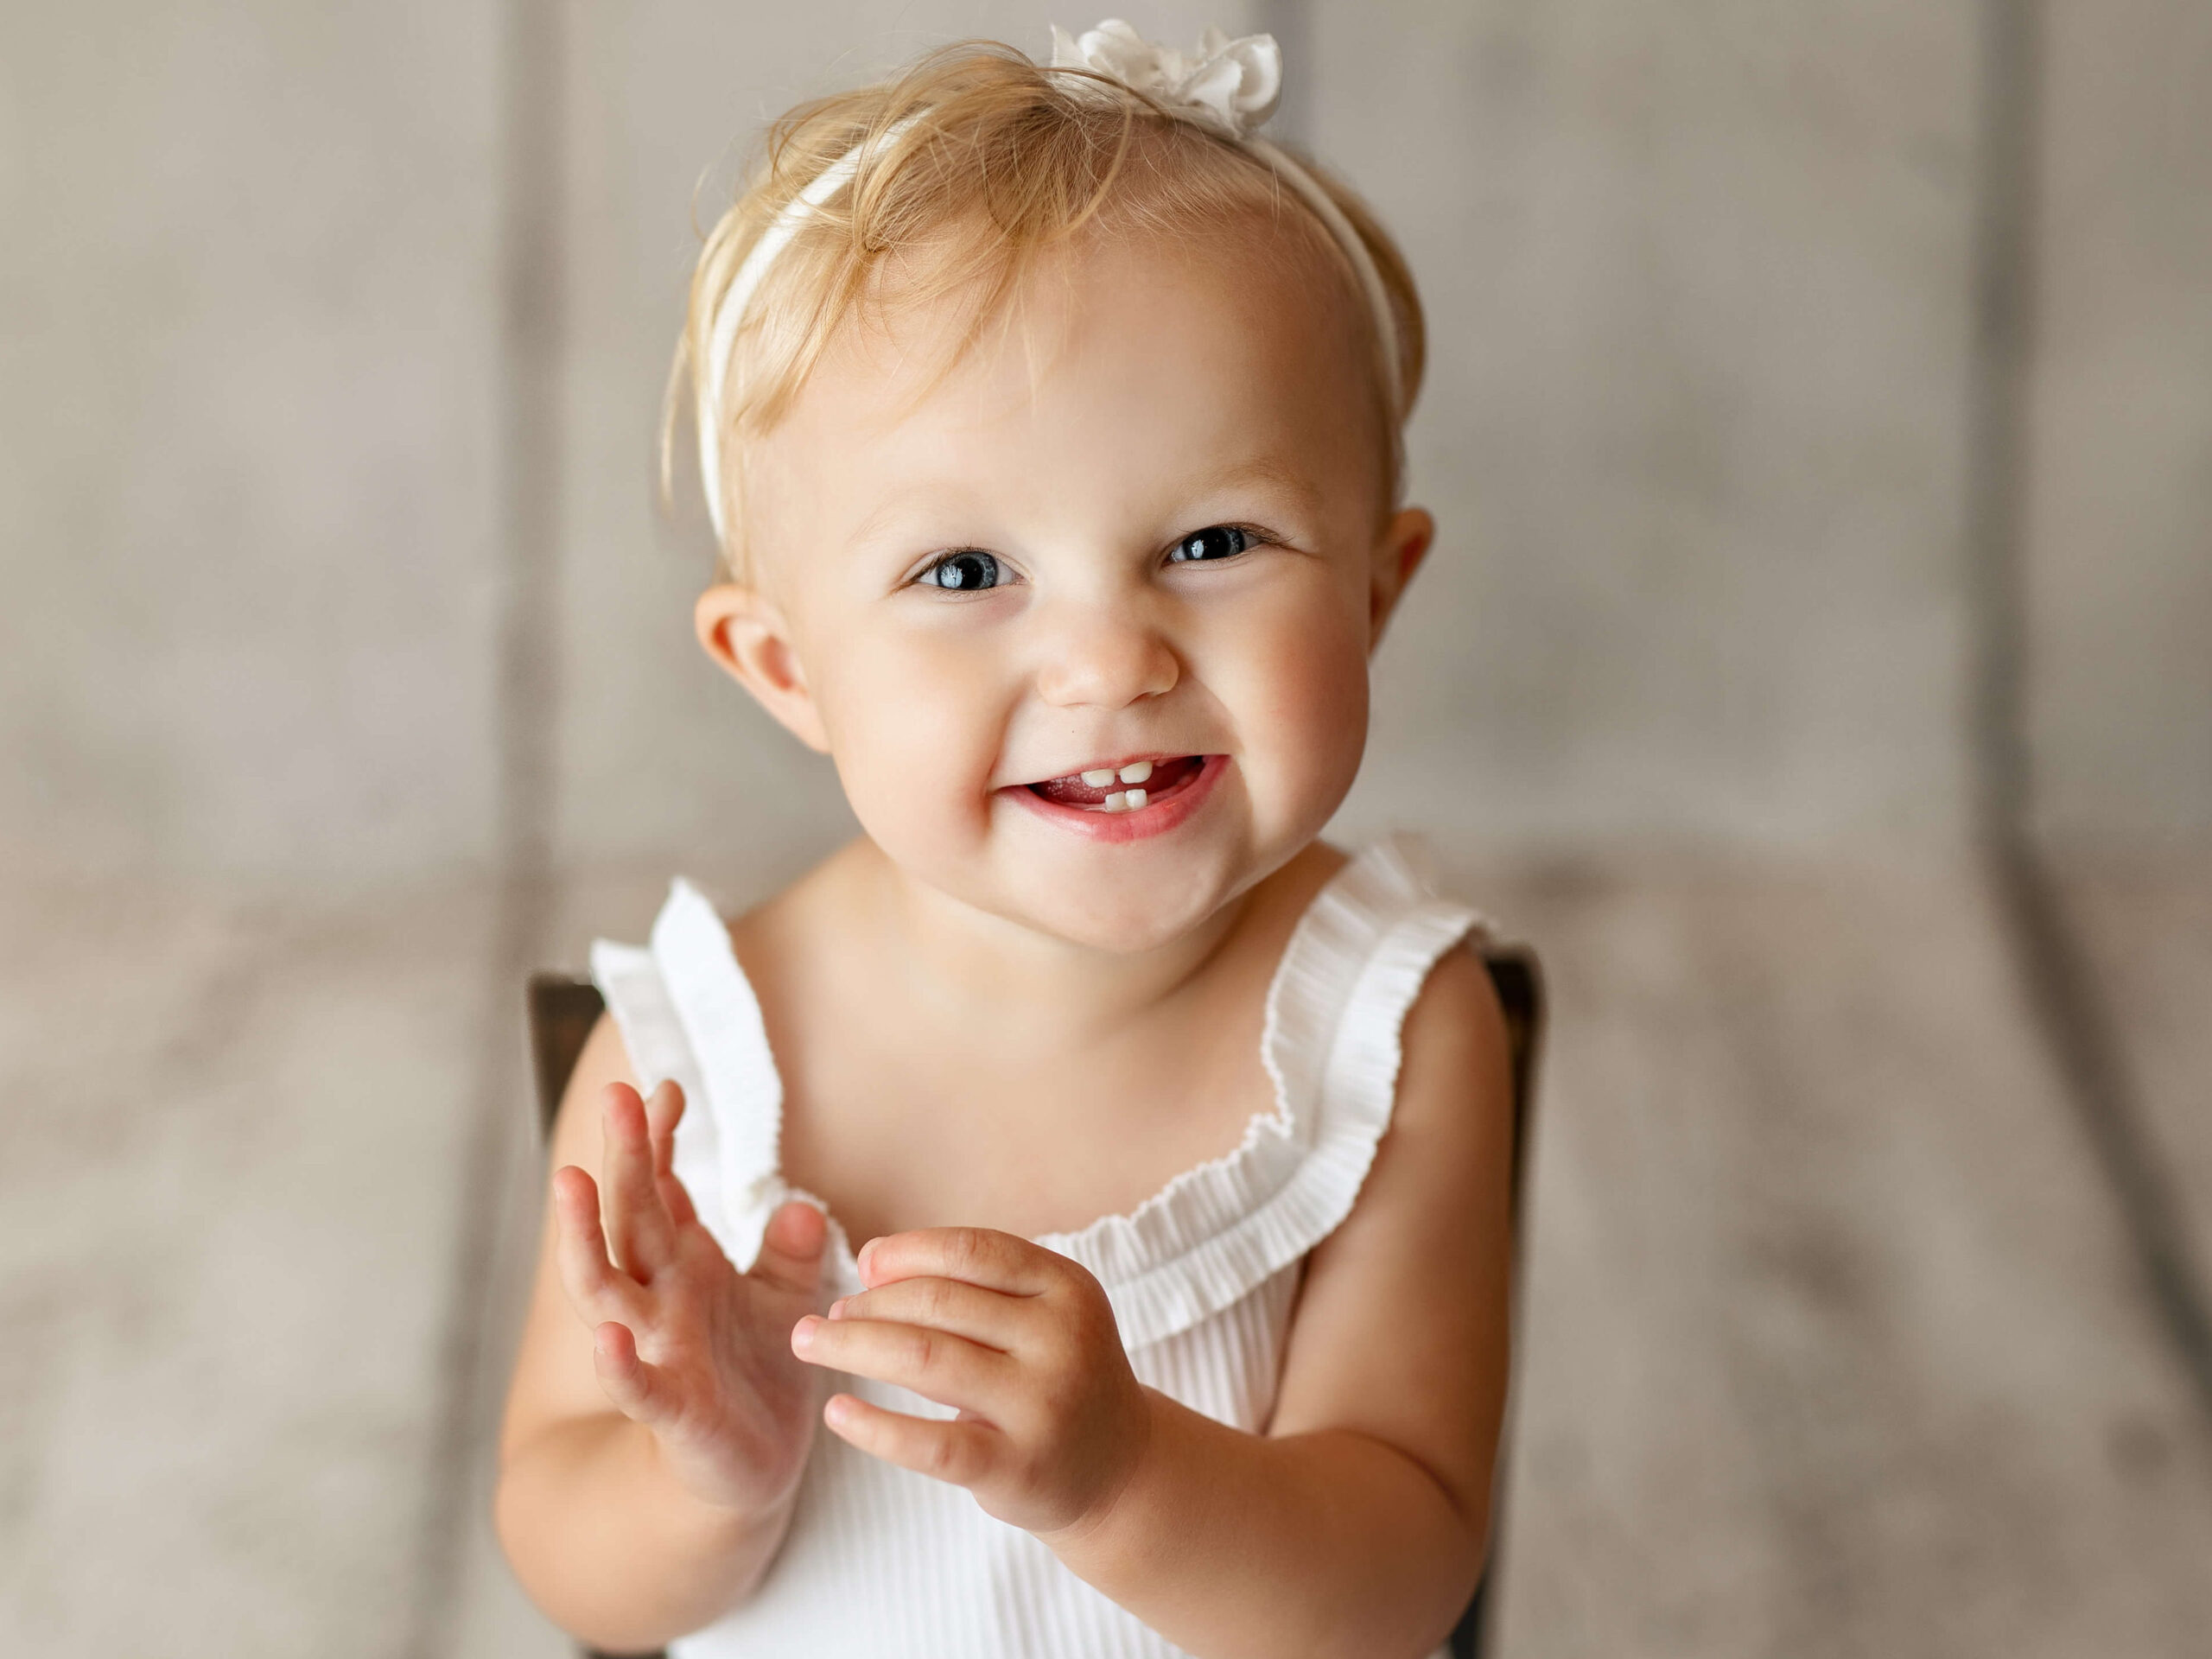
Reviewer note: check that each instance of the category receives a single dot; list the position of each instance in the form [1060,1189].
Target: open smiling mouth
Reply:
[1125,787]
[1127,800]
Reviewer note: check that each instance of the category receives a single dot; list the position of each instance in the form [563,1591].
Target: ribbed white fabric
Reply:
[880,1563]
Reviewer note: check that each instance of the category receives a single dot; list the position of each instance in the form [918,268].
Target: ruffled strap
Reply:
[1336,1010]
[687,1011]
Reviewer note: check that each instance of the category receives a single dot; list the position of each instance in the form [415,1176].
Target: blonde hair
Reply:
[965,169]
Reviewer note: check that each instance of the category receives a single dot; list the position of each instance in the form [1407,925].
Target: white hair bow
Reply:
[1230,85]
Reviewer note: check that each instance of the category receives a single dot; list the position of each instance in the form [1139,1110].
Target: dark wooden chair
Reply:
[563,1009]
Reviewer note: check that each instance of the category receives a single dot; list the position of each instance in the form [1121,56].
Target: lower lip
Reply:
[1153,818]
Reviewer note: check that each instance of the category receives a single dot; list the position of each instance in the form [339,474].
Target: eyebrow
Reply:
[888,510]
[1261,469]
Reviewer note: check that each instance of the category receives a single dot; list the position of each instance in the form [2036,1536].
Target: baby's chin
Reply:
[1123,926]
[1103,898]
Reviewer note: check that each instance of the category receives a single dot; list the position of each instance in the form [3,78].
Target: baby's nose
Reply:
[1103,658]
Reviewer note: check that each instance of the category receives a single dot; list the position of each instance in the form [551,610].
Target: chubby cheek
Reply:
[1298,693]
[914,729]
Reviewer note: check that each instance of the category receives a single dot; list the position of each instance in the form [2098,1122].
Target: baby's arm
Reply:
[1359,1524]
[1356,1525]
[627,1534]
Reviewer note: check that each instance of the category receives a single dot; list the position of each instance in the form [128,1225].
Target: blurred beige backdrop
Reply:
[347,669]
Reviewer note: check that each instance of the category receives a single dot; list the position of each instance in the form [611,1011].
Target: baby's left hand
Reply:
[1020,1339]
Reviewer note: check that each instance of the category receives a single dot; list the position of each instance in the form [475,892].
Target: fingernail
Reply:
[802,1333]
[837,1308]
[861,1261]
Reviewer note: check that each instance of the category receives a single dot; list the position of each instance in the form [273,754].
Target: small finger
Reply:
[949,1370]
[981,1256]
[595,1289]
[791,1247]
[664,1111]
[637,1223]
[953,1306]
[960,1453]
[639,1390]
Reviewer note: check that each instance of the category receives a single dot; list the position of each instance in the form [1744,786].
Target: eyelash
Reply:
[1247,538]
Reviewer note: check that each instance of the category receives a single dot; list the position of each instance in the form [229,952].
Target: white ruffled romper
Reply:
[882,1563]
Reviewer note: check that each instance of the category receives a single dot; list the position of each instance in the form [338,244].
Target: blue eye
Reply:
[964,572]
[1215,542]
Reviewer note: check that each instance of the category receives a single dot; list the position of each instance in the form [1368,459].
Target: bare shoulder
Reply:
[1442,1168]
[1402,1324]
[1456,1050]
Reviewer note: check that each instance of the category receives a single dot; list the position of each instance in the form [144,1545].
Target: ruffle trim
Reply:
[687,1011]
[1332,1045]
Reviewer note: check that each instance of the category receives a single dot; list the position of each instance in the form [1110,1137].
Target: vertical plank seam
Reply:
[2065,1001]
[530,375]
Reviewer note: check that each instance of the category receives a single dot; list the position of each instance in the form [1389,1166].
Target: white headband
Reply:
[1228,87]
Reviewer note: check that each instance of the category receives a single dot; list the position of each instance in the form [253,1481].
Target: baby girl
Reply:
[1050,422]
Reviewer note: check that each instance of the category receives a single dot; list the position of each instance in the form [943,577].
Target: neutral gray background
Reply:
[346,670]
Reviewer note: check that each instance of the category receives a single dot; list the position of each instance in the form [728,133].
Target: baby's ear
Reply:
[745,632]
[1404,543]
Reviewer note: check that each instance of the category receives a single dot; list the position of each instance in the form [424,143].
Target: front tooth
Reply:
[1117,802]
[1099,779]
[1136,771]
[1136,797]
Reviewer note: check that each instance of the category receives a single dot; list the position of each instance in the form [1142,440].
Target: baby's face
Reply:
[1086,624]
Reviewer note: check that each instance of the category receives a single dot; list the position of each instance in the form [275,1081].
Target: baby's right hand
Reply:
[683,1343]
